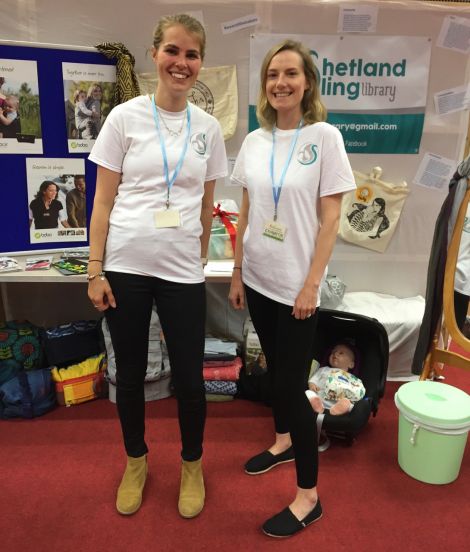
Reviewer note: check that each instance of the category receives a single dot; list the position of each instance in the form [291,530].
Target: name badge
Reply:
[169,218]
[274,230]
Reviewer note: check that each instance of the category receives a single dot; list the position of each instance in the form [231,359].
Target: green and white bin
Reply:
[433,424]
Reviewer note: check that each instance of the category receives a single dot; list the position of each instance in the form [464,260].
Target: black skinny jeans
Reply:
[182,312]
[287,344]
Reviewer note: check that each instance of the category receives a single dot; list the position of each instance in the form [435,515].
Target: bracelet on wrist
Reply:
[101,275]
[95,261]
[237,268]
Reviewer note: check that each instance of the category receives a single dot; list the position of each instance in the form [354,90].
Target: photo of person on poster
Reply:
[20,122]
[76,203]
[9,117]
[45,211]
[88,101]
[56,202]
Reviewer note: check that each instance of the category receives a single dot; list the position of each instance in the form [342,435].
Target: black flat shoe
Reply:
[285,524]
[266,460]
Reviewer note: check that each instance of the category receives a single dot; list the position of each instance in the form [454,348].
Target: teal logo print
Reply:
[198,143]
[307,154]
[466,225]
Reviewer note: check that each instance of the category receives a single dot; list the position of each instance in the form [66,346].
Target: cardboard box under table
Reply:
[81,382]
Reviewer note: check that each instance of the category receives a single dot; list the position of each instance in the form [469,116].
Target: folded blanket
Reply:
[214,397]
[217,346]
[221,387]
[218,357]
[224,373]
[218,363]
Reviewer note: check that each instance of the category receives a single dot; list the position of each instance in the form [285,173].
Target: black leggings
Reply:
[287,344]
[182,311]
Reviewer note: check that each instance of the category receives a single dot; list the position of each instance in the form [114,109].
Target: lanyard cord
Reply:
[171,180]
[277,188]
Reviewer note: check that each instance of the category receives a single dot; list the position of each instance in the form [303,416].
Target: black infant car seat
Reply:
[371,342]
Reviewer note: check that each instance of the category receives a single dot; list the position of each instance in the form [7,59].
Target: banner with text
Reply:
[374,88]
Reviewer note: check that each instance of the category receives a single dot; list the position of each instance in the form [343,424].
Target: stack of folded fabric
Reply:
[221,369]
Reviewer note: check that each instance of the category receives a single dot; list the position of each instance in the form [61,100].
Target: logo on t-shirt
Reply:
[307,154]
[198,142]
[466,225]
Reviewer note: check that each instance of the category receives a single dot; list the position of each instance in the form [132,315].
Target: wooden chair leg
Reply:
[427,368]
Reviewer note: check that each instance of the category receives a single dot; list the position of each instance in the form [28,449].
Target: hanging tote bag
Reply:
[369,214]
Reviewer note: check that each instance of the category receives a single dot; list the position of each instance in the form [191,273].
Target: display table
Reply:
[215,271]
[31,294]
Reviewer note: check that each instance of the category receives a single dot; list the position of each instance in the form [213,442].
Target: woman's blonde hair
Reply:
[190,23]
[313,108]
[93,87]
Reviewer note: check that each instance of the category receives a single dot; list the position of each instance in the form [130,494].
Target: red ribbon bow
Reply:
[224,217]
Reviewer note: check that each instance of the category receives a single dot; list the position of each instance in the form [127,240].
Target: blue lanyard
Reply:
[171,181]
[277,188]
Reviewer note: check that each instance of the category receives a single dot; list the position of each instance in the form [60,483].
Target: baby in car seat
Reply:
[333,387]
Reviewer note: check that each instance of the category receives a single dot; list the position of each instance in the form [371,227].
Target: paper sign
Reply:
[434,171]
[357,19]
[452,100]
[239,24]
[455,34]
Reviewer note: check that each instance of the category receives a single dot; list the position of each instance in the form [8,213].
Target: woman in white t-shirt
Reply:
[293,170]
[158,158]
[462,275]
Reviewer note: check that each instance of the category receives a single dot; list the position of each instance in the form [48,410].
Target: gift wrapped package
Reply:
[224,230]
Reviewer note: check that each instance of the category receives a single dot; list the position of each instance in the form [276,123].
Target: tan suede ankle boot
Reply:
[192,492]
[129,495]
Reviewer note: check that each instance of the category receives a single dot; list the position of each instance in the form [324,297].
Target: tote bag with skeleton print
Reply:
[369,214]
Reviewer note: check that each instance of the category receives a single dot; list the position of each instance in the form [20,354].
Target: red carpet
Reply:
[59,474]
[457,349]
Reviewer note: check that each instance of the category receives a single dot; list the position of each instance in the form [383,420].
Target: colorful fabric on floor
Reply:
[218,363]
[225,373]
[214,397]
[221,387]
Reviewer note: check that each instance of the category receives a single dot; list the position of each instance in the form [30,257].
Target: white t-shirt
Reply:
[129,144]
[319,167]
[462,270]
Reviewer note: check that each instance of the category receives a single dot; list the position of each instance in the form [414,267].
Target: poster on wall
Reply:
[56,200]
[20,120]
[88,99]
[374,87]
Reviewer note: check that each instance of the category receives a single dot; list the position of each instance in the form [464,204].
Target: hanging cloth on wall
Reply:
[437,263]
[127,85]
[215,92]
[369,214]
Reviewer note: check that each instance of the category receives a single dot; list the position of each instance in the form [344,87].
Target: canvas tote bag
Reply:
[369,214]
[215,91]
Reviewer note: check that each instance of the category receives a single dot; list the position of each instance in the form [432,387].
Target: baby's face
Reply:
[82,97]
[342,357]
[11,104]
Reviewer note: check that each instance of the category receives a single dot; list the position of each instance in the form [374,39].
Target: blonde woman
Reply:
[293,170]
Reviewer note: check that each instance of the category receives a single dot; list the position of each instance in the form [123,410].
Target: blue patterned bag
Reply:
[72,343]
[20,349]
[27,395]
